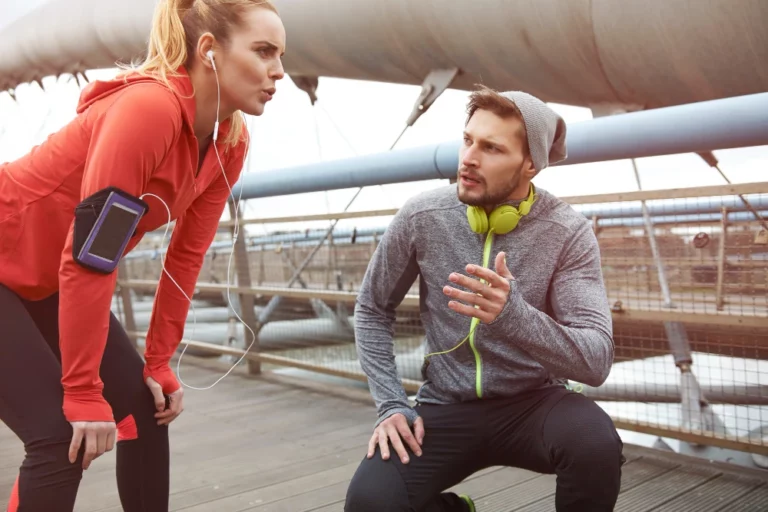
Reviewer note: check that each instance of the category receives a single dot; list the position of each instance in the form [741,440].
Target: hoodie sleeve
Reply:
[192,236]
[576,342]
[390,274]
[128,141]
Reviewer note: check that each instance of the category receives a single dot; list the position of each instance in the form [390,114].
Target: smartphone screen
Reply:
[116,228]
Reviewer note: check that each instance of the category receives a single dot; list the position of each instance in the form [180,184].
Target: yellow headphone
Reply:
[502,219]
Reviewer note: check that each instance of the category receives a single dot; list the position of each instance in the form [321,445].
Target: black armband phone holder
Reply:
[104,224]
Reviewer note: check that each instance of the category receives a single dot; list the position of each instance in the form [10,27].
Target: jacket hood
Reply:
[180,85]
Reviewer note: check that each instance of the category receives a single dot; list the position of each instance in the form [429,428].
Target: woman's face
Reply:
[251,65]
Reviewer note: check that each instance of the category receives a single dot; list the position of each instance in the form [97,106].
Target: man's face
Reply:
[492,161]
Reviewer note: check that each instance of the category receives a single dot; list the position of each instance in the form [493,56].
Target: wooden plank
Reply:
[650,312]
[306,501]
[230,485]
[661,489]
[265,444]
[635,472]
[733,442]
[755,501]
[281,492]
[720,493]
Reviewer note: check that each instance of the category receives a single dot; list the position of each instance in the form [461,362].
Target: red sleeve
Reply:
[128,141]
[192,236]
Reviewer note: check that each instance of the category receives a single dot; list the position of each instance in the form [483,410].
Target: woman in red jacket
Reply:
[71,385]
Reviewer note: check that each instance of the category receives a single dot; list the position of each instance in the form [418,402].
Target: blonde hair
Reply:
[176,27]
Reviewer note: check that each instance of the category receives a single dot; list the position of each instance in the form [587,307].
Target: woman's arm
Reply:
[128,142]
[191,239]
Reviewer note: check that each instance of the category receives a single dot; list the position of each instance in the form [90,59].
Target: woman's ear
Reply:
[205,50]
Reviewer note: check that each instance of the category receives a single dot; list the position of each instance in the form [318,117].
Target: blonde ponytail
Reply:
[167,50]
[176,27]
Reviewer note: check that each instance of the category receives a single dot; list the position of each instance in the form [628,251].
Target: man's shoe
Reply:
[469,502]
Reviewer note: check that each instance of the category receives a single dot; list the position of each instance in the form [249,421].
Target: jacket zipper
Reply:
[476,322]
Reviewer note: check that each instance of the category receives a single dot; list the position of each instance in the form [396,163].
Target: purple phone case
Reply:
[97,262]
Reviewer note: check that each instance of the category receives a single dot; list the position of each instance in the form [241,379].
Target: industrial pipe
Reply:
[589,53]
[741,122]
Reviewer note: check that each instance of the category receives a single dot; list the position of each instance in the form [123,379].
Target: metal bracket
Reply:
[436,82]
[308,84]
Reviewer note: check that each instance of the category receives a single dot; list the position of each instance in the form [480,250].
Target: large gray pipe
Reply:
[705,126]
[587,53]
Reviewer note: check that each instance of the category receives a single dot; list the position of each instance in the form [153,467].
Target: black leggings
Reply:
[549,431]
[31,405]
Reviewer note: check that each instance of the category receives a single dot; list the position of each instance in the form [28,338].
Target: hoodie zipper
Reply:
[476,321]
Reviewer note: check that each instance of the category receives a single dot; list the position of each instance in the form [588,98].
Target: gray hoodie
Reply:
[556,324]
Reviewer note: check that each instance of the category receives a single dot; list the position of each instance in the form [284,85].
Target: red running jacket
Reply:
[136,134]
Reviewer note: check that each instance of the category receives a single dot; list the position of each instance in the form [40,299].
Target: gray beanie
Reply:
[546,129]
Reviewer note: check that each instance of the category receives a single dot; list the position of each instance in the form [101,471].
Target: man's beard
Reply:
[490,198]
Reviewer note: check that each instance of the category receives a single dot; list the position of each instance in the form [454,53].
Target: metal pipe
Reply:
[654,247]
[568,52]
[742,122]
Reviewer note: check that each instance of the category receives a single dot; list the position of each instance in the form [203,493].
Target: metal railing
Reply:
[689,304]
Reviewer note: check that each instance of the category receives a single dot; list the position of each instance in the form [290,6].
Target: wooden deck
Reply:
[277,443]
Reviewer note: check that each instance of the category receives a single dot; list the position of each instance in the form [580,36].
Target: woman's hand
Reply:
[166,412]
[99,438]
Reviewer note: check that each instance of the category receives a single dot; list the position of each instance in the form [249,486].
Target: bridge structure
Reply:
[686,269]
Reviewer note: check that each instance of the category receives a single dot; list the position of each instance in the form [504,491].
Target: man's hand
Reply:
[176,406]
[99,437]
[392,429]
[489,297]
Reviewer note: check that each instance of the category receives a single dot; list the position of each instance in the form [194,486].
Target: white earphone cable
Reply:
[235,234]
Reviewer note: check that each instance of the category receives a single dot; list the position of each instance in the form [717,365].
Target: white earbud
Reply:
[209,53]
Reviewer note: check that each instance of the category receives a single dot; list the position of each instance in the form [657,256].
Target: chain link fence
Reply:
[686,278]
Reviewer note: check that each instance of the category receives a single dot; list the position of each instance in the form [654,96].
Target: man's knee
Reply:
[377,487]
[583,435]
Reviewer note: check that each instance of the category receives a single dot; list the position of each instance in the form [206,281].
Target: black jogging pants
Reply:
[31,399]
[550,431]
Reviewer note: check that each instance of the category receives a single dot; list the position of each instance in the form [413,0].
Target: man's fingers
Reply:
[383,444]
[490,276]
[501,266]
[470,298]
[418,430]
[484,316]
[470,284]
[372,444]
[397,444]
[74,446]
[407,436]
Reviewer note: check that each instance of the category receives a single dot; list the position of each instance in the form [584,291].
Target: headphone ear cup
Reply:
[504,219]
[478,220]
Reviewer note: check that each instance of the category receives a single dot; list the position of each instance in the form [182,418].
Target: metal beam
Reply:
[740,122]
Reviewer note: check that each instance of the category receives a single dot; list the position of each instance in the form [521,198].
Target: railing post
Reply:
[246,301]
[719,300]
